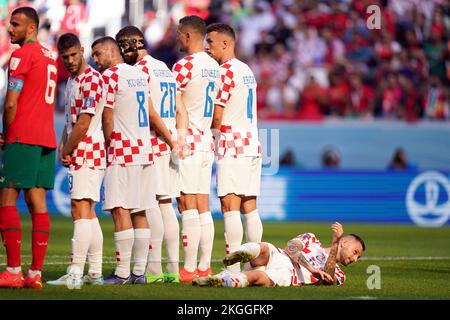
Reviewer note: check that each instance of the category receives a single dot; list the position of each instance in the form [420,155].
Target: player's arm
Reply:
[10,105]
[107,124]
[294,249]
[158,124]
[217,117]
[79,131]
[62,143]
[330,265]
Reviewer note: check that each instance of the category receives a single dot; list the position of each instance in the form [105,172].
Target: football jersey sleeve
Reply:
[19,64]
[226,85]
[182,71]
[308,240]
[340,275]
[91,91]
[111,83]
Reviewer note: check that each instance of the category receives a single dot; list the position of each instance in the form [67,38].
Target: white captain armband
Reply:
[15,84]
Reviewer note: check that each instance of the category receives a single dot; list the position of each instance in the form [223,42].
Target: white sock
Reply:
[95,252]
[124,241]
[33,273]
[141,244]
[252,248]
[234,280]
[253,226]
[171,236]
[82,234]
[233,235]
[206,240]
[190,229]
[14,270]
[155,221]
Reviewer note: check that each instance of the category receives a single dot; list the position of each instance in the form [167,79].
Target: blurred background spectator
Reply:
[399,162]
[313,59]
[330,158]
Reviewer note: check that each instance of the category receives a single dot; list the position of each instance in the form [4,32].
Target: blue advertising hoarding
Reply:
[416,197]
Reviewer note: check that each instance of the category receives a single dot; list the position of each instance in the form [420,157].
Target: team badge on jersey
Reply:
[14,63]
[88,102]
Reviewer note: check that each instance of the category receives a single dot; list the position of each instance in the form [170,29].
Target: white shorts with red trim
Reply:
[241,176]
[279,268]
[85,183]
[195,173]
[130,187]
[167,177]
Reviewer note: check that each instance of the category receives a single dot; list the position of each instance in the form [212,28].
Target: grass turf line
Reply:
[400,279]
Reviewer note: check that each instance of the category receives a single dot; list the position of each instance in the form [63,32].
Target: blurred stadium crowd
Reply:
[312,58]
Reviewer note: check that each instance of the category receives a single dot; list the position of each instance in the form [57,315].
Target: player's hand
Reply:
[323,276]
[2,140]
[338,231]
[66,160]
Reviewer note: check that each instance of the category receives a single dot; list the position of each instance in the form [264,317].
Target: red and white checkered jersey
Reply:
[198,81]
[237,94]
[84,94]
[127,91]
[315,254]
[163,90]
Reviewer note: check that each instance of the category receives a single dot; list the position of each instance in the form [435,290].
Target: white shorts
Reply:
[241,176]
[131,187]
[85,183]
[167,177]
[195,173]
[279,268]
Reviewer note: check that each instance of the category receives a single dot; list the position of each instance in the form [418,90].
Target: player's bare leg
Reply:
[234,232]
[253,224]
[258,278]
[207,235]
[141,244]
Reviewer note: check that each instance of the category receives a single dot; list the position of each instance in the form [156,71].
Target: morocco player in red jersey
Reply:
[239,150]
[29,145]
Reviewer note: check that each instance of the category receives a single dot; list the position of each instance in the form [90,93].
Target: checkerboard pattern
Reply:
[227,83]
[111,80]
[199,140]
[89,153]
[234,143]
[182,71]
[124,152]
[159,145]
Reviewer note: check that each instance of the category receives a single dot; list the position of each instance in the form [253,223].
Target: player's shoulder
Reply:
[186,62]
[91,75]
[111,74]
[308,237]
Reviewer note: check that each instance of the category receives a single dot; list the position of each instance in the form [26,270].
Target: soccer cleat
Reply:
[114,279]
[186,276]
[137,279]
[237,256]
[11,280]
[206,273]
[61,281]
[208,281]
[154,278]
[171,277]
[97,281]
[74,281]
[33,282]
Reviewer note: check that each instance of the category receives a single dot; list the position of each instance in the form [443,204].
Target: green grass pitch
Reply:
[414,264]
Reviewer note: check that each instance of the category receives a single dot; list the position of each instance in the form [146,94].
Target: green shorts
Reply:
[26,166]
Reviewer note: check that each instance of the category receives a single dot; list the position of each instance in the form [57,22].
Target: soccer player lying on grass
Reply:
[303,261]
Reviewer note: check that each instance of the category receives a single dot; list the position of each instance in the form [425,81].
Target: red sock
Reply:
[39,238]
[11,234]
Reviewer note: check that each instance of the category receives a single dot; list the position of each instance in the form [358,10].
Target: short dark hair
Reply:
[221,28]
[29,12]
[358,238]
[103,40]
[67,41]
[129,31]
[194,22]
